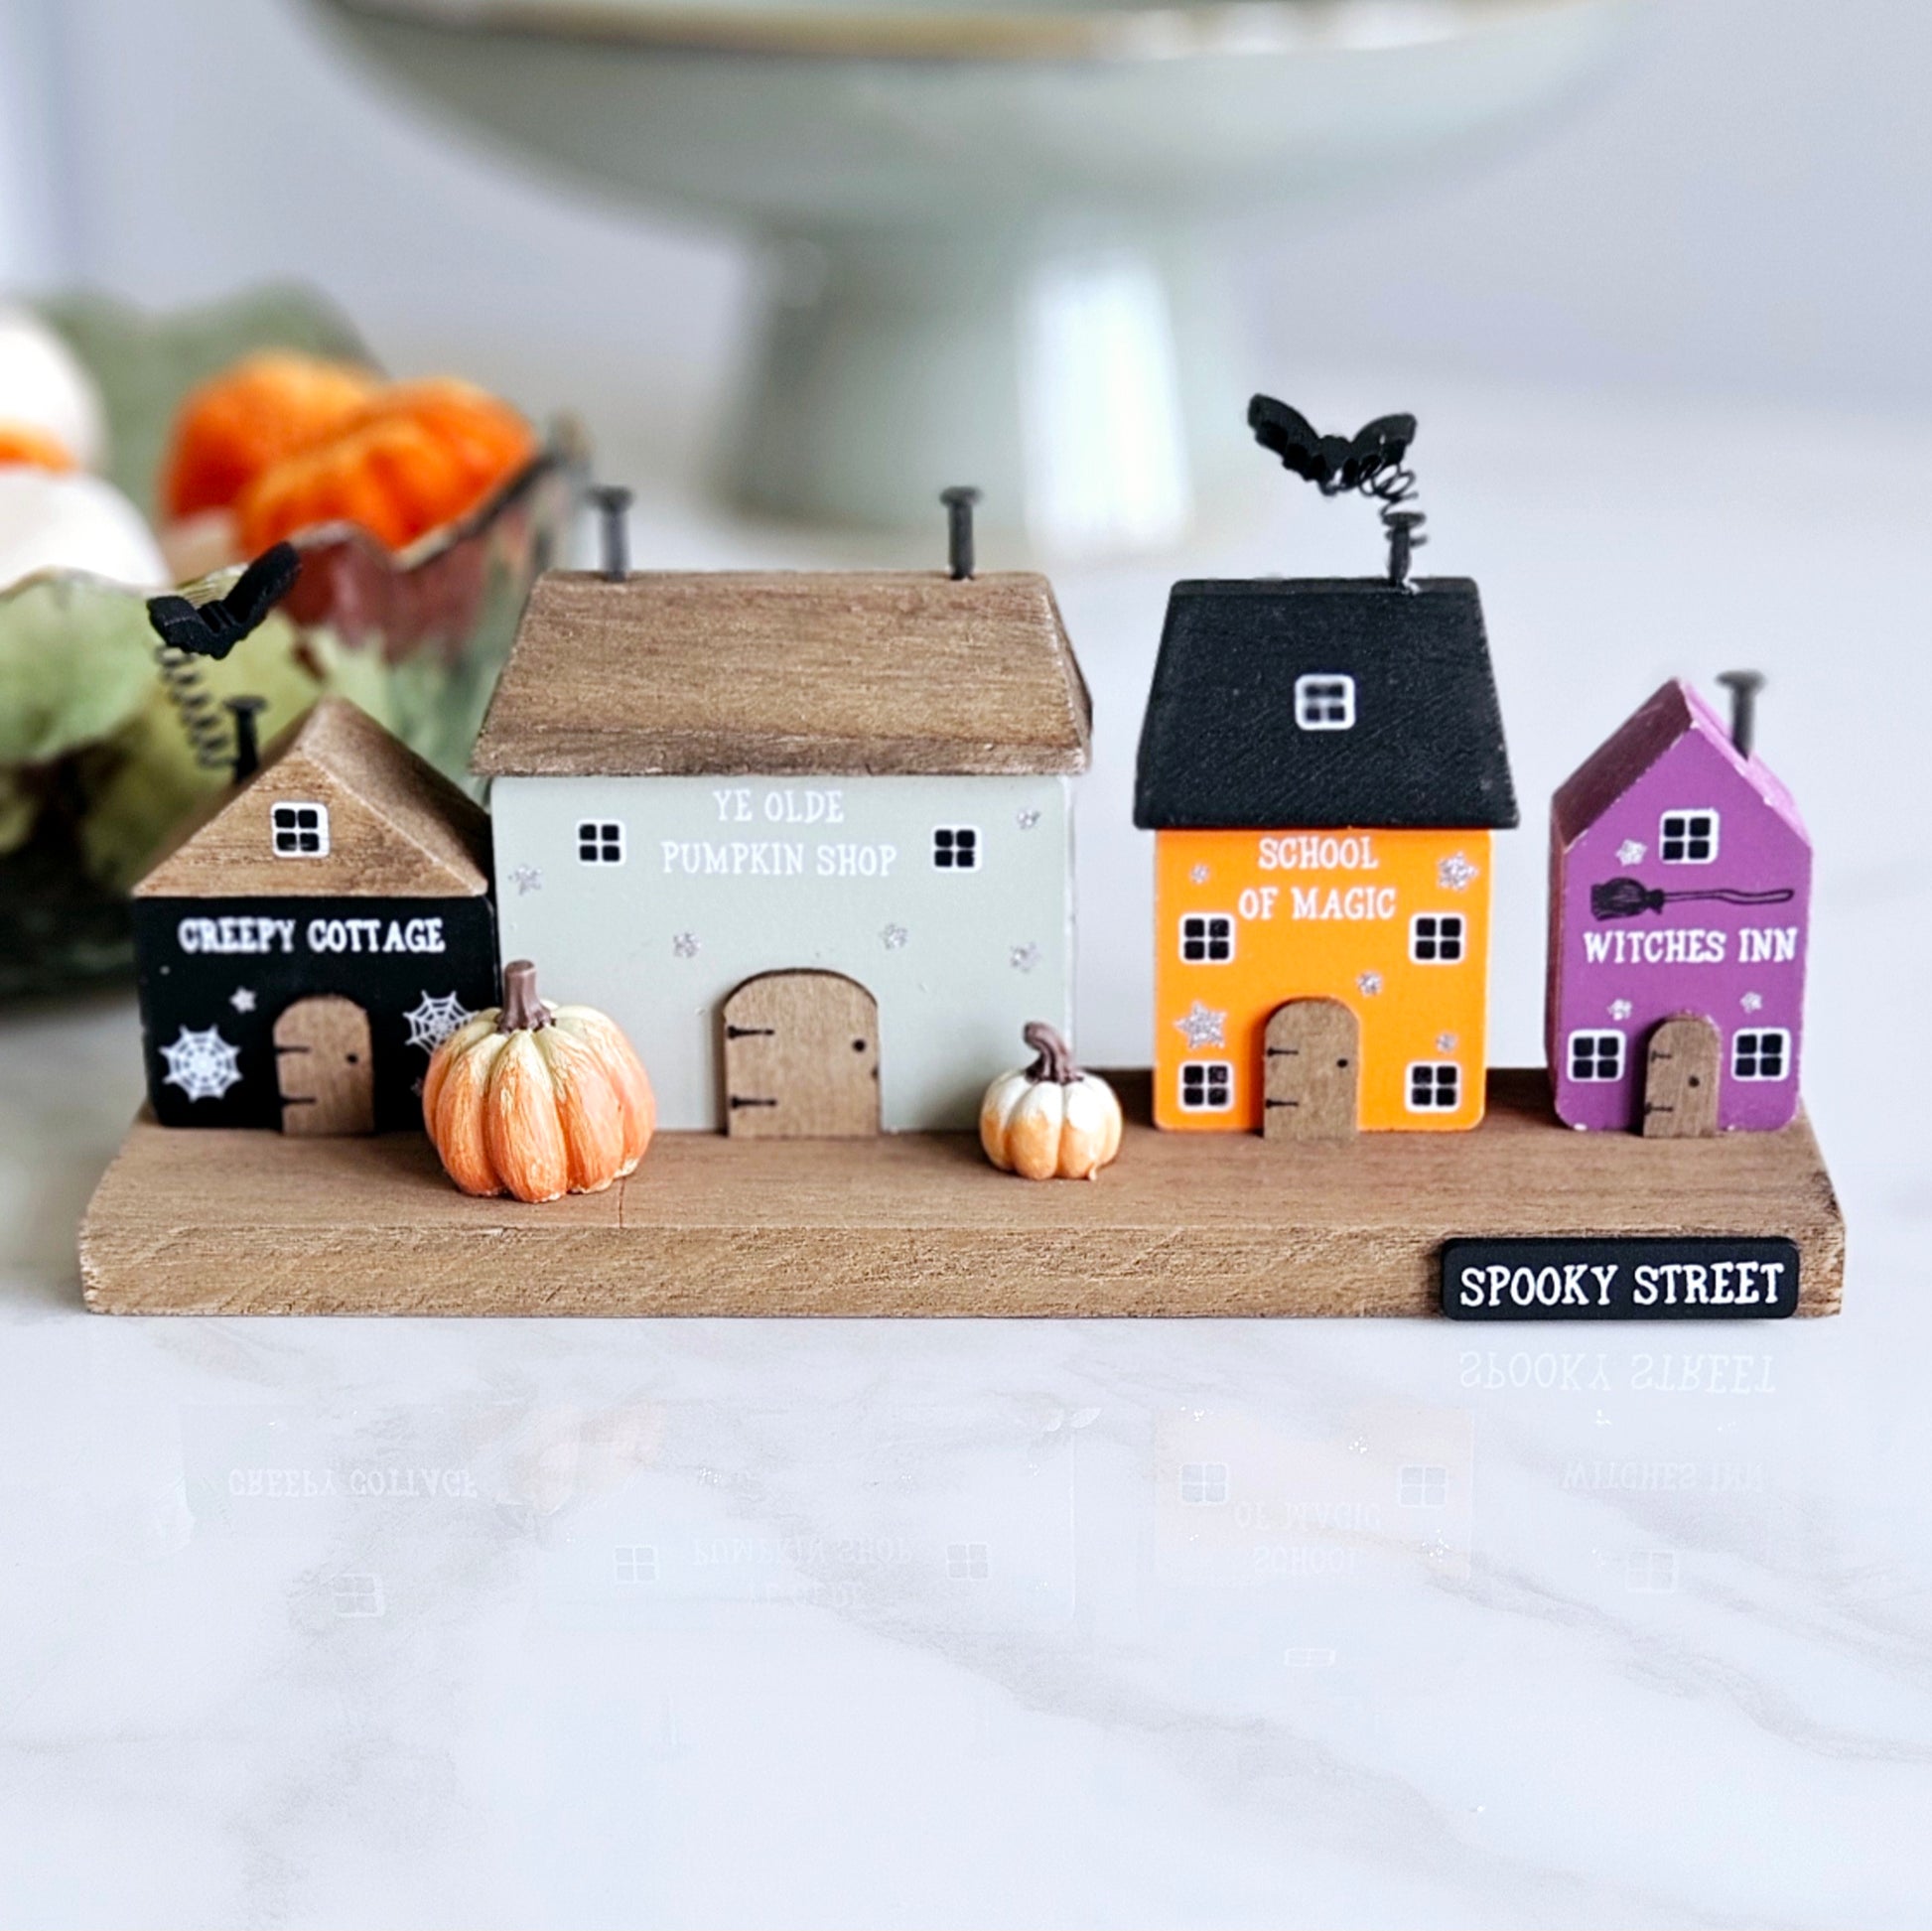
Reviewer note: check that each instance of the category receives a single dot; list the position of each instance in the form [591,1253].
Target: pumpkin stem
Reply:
[523,1011]
[1055,1062]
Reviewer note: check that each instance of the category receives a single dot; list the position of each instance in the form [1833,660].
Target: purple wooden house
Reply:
[1680,890]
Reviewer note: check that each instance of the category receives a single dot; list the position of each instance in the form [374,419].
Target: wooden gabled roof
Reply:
[788,672]
[397,828]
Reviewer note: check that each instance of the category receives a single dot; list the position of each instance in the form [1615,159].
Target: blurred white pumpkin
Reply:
[44,386]
[1049,1121]
[52,522]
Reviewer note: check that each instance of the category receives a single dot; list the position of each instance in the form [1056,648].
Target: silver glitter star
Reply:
[1026,819]
[685,946]
[526,878]
[1630,852]
[893,937]
[1456,873]
[1621,1009]
[1446,1042]
[242,1000]
[1023,958]
[1370,983]
[1202,1026]
[1753,1002]
[1200,874]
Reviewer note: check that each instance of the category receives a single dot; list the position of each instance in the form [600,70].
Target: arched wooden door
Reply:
[801,1058]
[1682,1074]
[1313,1070]
[323,1066]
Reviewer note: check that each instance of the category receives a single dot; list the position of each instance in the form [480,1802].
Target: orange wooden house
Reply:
[1323,764]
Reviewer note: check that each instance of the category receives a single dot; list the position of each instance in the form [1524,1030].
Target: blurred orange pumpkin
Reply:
[417,456]
[253,415]
[24,445]
[537,1100]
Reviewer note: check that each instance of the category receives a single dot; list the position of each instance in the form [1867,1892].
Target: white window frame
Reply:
[598,830]
[1208,937]
[275,831]
[1312,688]
[969,1562]
[979,848]
[634,1563]
[1461,920]
[1599,1033]
[1414,1066]
[1690,811]
[1180,1085]
[1761,1033]
[1204,1484]
[1421,1486]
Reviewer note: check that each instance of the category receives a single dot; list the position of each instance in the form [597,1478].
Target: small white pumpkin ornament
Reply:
[1049,1121]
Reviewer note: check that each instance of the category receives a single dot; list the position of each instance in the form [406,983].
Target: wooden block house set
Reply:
[1680,892]
[1323,764]
[311,939]
[805,837]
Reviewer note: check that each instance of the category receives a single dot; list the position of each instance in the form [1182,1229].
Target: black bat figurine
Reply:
[1334,464]
[213,628]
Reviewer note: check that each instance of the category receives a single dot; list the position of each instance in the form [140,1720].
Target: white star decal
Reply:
[202,1064]
[1631,852]
[1202,1026]
[684,945]
[1446,1042]
[1370,983]
[893,937]
[434,1020]
[1621,1009]
[242,1000]
[1023,958]
[1026,819]
[1753,1002]
[1456,873]
[526,878]
[1200,874]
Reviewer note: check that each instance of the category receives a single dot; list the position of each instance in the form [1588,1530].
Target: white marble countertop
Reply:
[581,1624]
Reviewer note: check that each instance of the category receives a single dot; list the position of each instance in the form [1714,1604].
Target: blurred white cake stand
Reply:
[988,219]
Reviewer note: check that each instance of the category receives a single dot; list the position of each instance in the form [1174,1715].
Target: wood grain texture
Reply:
[1682,1070]
[1313,1067]
[894,673]
[236,1222]
[801,1058]
[397,828]
[324,1068]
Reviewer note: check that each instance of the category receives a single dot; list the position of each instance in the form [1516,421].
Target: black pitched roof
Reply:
[1220,749]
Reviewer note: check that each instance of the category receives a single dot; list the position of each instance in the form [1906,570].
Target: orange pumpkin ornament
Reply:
[255,414]
[1049,1121]
[537,1100]
[418,456]
[25,447]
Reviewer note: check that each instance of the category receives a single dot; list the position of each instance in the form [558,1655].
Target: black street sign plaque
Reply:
[1584,1277]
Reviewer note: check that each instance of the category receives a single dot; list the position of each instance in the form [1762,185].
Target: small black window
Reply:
[299,830]
[1437,937]
[1688,837]
[1434,1086]
[1206,937]
[1596,1056]
[1761,1055]
[956,848]
[1206,1086]
[600,841]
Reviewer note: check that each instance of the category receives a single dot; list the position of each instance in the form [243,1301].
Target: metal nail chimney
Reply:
[959,501]
[612,502]
[1743,686]
[247,751]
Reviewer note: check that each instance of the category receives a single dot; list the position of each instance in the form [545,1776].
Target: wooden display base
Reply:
[224,1222]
